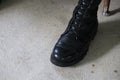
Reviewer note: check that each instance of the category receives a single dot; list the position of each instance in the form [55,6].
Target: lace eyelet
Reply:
[73,28]
[75,23]
[76,38]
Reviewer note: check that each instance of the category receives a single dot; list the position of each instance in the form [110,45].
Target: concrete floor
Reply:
[30,28]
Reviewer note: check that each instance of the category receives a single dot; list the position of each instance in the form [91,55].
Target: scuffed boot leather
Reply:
[73,44]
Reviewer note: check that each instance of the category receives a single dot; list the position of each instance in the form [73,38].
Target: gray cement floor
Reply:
[30,28]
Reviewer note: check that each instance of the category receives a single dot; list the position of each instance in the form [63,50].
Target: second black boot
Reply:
[73,44]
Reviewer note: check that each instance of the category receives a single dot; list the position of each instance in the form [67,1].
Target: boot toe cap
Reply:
[62,57]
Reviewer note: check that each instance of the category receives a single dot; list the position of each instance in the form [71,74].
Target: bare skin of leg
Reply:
[106,6]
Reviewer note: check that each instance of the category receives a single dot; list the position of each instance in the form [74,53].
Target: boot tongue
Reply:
[85,2]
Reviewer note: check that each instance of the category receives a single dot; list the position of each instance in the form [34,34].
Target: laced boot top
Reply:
[84,13]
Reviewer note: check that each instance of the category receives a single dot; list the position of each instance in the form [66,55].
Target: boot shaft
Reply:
[85,13]
[87,7]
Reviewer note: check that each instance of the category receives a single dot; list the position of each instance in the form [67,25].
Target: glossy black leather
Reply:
[73,44]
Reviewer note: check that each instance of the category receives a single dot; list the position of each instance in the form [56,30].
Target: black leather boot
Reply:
[73,44]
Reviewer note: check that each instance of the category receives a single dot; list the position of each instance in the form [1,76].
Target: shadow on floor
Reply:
[7,3]
[113,12]
[107,38]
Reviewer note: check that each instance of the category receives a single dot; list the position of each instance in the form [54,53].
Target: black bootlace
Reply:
[78,15]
